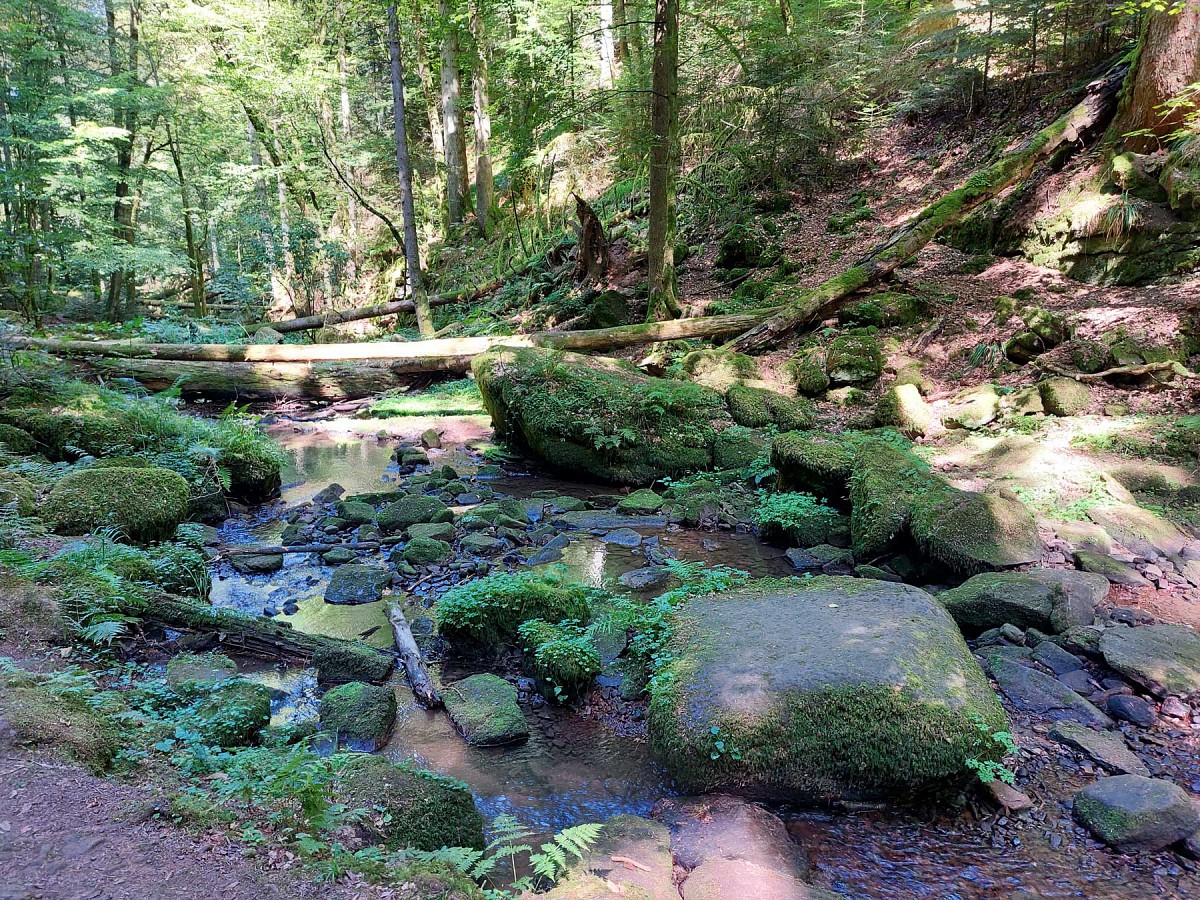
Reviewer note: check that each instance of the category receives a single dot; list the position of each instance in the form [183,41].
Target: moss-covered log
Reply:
[1082,122]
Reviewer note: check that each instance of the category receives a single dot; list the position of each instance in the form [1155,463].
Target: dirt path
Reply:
[67,835]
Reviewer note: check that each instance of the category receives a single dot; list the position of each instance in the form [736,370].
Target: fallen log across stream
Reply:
[410,657]
[345,371]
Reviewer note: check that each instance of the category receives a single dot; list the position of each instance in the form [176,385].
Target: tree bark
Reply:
[347,133]
[452,118]
[664,162]
[195,252]
[1168,61]
[593,246]
[121,285]
[412,257]
[410,657]
[1077,126]
[484,179]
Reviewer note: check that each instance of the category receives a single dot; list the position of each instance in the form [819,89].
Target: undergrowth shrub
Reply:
[493,608]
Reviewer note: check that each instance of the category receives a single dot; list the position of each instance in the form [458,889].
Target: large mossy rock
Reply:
[1132,813]
[854,358]
[145,503]
[757,407]
[360,712]
[413,509]
[484,710]
[65,721]
[603,417]
[821,463]
[195,673]
[1050,600]
[353,584]
[902,407]
[1165,659]
[422,810]
[819,689]
[18,491]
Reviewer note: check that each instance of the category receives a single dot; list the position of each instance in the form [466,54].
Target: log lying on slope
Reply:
[346,371]
[1085,120]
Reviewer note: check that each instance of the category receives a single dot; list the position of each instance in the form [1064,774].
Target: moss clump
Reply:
[1064,396]
[426,551]
[16,441]
[146,504]
[603,417]
[484,710]
[743,247]
[413,509]
[1090,356]
[422,810]
[881,311]
[41,715]
[355,512]
[806,370]
[439,531]
[737,447]
[902,407]
[493,608]
[121,462]
[854,358]
[233,714]
[194,673]
[758,407]
[1051,328]
[821,463]
[342,662]
[562,658]
[358,711]
[718,369]
[643,502]
[17,490]
[800,519]
[885,482]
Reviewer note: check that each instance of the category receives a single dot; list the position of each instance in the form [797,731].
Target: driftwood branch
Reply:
[410,657]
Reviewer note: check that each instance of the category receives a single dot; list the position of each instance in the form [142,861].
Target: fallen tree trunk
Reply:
[346,371]
[1082,122]
[410,657]
[394,307]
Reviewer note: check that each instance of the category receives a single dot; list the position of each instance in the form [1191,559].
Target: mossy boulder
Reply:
[426,551]
[737,447]
[603,417]
[65,721]
[233,713]
[485,712]
[974,408]
[1064,396]
[1050,600]
[854,358]
[359,712]
[16,490]
[821,689]
[1132,813]
[1164,659]
[814,461]
[422,810]
[493,608]
[439,531]
[353,584]
[755,407]
[339,662]
[884,310]
[1050,327]
[643,502]
[413,509]
[806,370]
[355,512]
[256,563]
[146,504]
[718,369]
[1137,349]
[16,440]
[195,673]
[743,247]
[902,407]
[1090,356]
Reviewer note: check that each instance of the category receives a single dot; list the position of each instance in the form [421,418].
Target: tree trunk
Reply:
[412,267]
[1078,125]
[429,92]
[347,133]
[195,253]
[121,285]
[604,41]
[664,162]
[621,24]
[484,180]
[593,246]
[1168,61]
[410,657]
[452,118]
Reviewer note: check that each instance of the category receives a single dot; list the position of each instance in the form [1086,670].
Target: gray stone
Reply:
[1132,813]
[1035,692]
[1164,659]
[1105,747]
[354,584]
[1056,659]
[803,561]
[1079,681]
[1139,530]
[482,545]
[623,537]
[1135,710]
[1114,570]
[1051,600]
[256,563]
[646,578]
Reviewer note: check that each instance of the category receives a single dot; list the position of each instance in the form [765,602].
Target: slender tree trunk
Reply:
[621,24]
[121,282]
[1168,61]
[412,257]
[484,180]
[346,135]
[194,251]
[430,93]
[604,40]
[452,118]
[664,162]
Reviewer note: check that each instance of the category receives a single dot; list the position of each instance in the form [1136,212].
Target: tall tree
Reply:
[664,162]
[452,117]
[123,52]
[195,248]
[412,256]
[484,180]
[1168,62]
[604,40]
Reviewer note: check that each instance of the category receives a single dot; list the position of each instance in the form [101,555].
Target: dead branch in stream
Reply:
[1082,122]
[410,657]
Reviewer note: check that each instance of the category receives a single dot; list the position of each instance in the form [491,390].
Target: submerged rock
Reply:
[1134,814]
[256,563]
[810,690]
[643,502]
[1164,659]
[1050,600]
[484,710]
[355,583]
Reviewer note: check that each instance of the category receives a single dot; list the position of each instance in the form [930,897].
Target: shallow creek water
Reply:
[576,768]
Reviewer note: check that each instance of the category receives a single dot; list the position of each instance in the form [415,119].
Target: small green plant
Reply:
[798,516]
[493,608]
[722,748]
[990,770]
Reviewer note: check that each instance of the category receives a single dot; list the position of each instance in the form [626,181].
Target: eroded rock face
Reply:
[810,690]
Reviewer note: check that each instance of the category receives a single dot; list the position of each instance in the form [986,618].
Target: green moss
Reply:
[902,407]
[439,531]
[641,502]
[343,661]
[821,463]
[1064,396]
[718,369]
[1090,356]
[193,673]
[233,714]
[421,810]
[17,490]
[493,608]
[807,371]
[40,715]
[144,503]
[413,509]
[562,657]
[484,710]
[424,551]
[359,711]
[881,311]
[459,397]
[738,447]
[799,519]
[16,441]
[885,482]
[755,407]
[854,358]
[970,532]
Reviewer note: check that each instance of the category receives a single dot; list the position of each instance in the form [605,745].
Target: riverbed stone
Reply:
[413,509]
[355,512]
[647,578]
[772,680]
[1132,813]
[256,563]
[1050,600]
[974,408]
[354,583]
[1056,659]
[423,551]
[1164,659]
[478,544]
[902,407]
[1114,570]
[439,531]
[358,711]
[1107,748]
[1064,396]
[1036,692]
[338,556]
[484,710]
[1139,530]
[623,537]
[643,502]
[1134,710]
